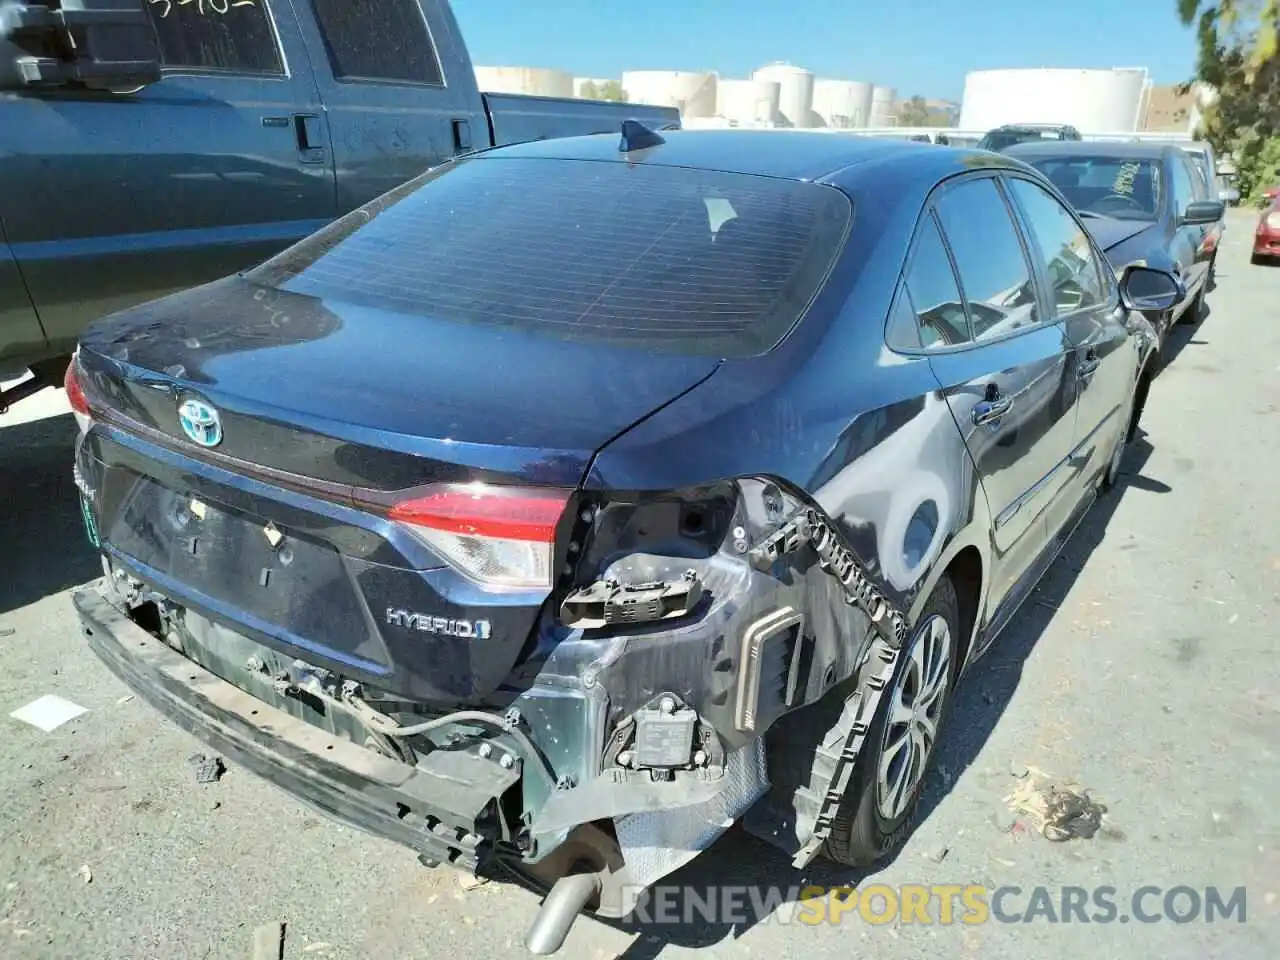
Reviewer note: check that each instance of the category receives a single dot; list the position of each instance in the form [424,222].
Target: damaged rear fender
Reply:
[741,600]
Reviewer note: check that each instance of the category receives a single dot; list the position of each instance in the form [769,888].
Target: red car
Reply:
[1266,239]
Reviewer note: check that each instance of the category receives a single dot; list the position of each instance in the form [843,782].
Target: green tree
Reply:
[1239,60]
[604,90]
[914,113]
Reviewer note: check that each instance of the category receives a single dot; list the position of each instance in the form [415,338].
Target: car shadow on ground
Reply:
[739,861]
[44,545]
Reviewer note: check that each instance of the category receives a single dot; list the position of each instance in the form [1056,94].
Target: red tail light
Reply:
[75,394]
[498,536]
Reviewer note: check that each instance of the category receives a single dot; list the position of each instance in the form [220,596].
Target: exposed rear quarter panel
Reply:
[833,413]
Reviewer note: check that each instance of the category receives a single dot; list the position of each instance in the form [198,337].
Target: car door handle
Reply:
[1088,367]
[306,131]
[310,135]
[990,411]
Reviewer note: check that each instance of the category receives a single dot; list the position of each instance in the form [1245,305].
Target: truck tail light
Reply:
[501,537]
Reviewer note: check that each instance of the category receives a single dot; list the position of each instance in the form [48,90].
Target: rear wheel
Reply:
[876,813]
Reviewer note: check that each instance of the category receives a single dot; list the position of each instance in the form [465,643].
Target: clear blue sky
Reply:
[918,46]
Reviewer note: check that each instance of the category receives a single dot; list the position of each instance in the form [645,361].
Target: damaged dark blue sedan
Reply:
[581,497]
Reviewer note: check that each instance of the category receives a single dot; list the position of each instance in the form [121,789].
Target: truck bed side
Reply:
[515,118]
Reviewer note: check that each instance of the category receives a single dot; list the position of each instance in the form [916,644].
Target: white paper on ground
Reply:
[48,713]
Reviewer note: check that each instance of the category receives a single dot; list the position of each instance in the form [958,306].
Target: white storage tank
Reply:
[884,112]
[843,104]
[534,81]
[693,94]
[1092,101]
[748,101]
[795,92]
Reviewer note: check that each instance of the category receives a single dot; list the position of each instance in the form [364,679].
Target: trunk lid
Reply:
[320,522]
[358,395]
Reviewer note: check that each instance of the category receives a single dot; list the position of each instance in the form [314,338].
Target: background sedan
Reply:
[1143,203]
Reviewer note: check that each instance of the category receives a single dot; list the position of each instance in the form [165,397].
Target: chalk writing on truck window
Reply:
[204,8]
[1123,185]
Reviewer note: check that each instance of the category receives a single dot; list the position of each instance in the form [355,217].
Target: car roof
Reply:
[1121,150]
[786,154]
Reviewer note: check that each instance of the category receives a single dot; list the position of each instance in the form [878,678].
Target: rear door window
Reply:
[995,277]
[1075,279]
[933,291]
[378,40]
[217,36]
[688,261]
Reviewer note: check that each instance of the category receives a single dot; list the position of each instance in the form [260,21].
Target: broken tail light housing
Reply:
[75,393]
[501,537]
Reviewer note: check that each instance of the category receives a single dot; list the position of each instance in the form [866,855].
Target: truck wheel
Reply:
[876,813]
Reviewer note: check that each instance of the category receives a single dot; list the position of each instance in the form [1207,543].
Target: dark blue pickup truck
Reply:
[151,145]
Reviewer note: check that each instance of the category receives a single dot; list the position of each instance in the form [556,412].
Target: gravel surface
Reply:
[1143,669]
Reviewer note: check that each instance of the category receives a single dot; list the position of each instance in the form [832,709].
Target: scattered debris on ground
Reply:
[268,941]
[1059,811]
[6,630]
[48,712]
[469,881]
[208,769]
[86,874]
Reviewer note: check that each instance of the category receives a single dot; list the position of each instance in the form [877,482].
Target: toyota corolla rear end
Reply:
[346,539]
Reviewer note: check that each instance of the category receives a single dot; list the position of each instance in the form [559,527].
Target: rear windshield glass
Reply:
[1119,187]
[669,258]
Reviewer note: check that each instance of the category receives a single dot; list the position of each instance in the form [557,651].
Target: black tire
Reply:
[1255,259]
[1193,313]
[1211,280]
[860,836]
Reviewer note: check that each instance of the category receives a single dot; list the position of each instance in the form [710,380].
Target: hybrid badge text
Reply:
[467,629]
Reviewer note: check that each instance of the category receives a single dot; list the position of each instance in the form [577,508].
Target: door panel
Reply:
[20,334]
[1101,356]
[1104,364]
[1022,455]
[1001,370]
[116,199]
[1189,248]
[400,94]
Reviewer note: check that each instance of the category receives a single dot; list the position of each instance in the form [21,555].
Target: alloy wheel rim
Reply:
[915,708]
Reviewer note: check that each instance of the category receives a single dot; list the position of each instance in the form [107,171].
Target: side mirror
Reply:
[1204,211]
[96,44]
[1149,289]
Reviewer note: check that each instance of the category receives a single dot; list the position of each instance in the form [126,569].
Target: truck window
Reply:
[231,36]
[378,40]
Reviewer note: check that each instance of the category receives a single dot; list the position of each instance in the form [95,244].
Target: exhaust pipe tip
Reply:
[568,897]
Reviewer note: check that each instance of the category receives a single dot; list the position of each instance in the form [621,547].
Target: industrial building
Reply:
[534,81]
[843,104]
[1115,101]
[1089,100]
[693,93]
[795,93]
